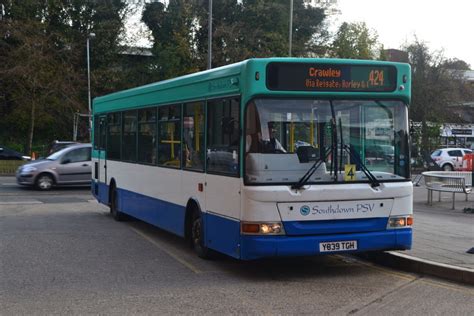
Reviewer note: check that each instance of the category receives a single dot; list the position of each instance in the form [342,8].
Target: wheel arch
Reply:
[447,163]
[46,172]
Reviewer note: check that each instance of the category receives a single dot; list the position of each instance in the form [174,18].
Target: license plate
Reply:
[338,246]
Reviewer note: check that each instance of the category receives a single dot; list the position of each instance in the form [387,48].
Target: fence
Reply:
[8,167]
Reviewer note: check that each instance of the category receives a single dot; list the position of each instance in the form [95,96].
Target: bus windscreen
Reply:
[330,77]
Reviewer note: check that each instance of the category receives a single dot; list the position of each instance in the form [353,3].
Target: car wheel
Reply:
[44,182]
[197,237]
[114,211]
[447,167]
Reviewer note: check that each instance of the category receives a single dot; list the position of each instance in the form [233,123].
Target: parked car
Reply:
[10,154]
[68,166]
[450,159]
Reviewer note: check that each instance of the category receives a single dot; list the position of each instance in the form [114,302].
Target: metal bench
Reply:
[447,181]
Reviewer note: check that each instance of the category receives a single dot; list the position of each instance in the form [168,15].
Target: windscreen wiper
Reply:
[304,179]
[354,155]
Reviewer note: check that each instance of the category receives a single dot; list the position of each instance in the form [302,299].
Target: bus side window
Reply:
[129,136]
[193,136]
[223,137]
[169,135]
[147,136]
[114,136]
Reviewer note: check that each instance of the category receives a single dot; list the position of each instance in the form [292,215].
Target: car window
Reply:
[78,155]
[455,153]
[436,153]
[467,151]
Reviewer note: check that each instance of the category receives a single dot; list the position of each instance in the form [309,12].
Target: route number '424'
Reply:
[376,77]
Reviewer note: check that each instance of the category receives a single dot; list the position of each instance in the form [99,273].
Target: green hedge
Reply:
[8,167]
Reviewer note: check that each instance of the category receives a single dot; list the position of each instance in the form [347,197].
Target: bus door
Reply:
[223,184]
[101,164]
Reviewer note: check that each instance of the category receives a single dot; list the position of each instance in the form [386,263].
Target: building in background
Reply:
[457,135]
[396,55]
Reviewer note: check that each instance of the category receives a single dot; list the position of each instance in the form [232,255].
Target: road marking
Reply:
[170,253]
[401,275]
[21,202]
[448,286]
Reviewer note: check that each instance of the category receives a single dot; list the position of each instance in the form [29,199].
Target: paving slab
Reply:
[442,238]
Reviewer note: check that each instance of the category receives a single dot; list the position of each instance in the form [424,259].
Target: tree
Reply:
[40,85]
[258,28]
[354,40]
[172,30]
[456,64]
[43,69]
[435,87]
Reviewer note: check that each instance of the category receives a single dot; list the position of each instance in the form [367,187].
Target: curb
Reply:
[408,263]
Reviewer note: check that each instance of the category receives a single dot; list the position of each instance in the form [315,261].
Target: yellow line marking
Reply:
[171,254]
[448,286]
[384,270]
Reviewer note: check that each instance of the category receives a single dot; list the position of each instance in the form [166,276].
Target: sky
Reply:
[446,25]
[442,25]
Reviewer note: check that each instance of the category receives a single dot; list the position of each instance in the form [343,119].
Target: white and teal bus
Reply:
[263,158]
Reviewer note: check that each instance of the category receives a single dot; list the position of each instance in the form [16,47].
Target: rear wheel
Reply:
[114,211]
[44,182]
[197,237]
[447,167]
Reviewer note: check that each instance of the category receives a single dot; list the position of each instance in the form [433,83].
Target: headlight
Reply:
[257,228]
[28,169]
[400,222]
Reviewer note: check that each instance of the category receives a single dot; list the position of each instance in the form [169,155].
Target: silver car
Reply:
[450,159]
[69,166]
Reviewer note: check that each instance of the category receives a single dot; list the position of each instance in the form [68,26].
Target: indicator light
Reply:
[275,228]
[400,222]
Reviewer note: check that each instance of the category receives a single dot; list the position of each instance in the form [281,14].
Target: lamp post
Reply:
[209,44]
[89,37]
[290,40]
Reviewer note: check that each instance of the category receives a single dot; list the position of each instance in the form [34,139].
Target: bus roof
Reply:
[247,77]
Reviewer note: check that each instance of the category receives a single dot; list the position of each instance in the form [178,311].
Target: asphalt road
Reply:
[61,253]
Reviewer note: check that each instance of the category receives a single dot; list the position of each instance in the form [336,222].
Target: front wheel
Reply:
[447,167]
[114,211]
[197,238]
[44,182]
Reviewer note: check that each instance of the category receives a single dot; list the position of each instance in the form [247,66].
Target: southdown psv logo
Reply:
[305,210]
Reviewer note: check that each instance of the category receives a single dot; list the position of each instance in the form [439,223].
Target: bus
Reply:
[267,157]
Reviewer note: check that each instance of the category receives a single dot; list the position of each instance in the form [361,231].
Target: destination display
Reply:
[330,77]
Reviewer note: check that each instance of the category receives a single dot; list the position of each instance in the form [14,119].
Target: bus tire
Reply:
[114,211]
[197,237]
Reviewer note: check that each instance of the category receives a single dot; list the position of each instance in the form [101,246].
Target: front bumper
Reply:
[255,247]
[25,179]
